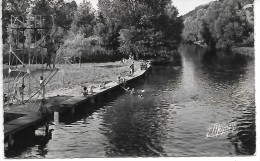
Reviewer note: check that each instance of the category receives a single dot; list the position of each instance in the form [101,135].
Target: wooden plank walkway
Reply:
[20,123]
[75,101]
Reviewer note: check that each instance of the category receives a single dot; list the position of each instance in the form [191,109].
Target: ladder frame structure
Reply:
[32,24]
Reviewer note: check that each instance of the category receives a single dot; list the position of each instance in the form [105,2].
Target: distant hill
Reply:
[193,12]
[247,5]
[221,24]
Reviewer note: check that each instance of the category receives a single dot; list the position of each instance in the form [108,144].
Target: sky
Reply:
[184,6]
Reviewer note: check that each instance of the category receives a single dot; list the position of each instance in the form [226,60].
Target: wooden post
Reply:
[56,117]
[62,77]
[23,72]
[73,110]
[92,99]
[29,84]
[10,141]
[46,129]
[80,59]
[9,74]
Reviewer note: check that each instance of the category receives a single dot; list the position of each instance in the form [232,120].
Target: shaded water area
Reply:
[169,115]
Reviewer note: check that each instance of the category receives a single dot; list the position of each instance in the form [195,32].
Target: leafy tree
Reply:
[137,26]
[12,7]
[84,19]
[64,14]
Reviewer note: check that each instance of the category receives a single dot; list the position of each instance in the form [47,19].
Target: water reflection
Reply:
[229,81]
[132,132]
[35,142]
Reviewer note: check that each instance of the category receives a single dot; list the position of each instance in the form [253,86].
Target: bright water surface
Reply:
[168,116]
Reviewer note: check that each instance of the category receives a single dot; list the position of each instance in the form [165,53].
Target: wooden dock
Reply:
[31,119]
[98,94]
[27,120]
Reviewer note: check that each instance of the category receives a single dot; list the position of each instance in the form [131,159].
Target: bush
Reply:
[22,55]
[100,56]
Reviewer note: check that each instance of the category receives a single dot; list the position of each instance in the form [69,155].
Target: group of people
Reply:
[86,92]
[120,80]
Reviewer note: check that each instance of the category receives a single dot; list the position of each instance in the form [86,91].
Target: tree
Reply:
[84,19]
[64,14]
[137,26]
[12,7]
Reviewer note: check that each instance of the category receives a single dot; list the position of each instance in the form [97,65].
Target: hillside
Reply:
[193,12]
[222,24]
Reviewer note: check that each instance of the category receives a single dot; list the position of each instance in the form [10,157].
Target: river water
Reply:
[169,115]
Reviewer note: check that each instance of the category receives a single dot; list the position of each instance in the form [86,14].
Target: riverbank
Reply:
[69,80]
[247,51]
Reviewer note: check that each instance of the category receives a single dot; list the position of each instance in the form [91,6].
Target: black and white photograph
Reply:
[128,79]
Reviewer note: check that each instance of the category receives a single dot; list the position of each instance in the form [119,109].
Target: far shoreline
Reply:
[242,50]
[246,51]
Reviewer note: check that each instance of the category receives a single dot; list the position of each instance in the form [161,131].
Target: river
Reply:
[169,115]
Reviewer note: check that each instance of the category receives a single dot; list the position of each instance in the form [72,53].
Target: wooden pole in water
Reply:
[62,77]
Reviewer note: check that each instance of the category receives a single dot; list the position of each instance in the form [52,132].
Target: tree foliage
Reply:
[139,26]
[223,24]
[118,26]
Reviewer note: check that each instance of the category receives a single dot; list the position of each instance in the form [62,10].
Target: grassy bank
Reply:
[70,78]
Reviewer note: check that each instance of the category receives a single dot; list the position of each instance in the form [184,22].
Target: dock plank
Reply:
[74,100]
[25,121]
[8,129]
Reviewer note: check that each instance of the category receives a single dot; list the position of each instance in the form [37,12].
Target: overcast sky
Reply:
[184,6]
